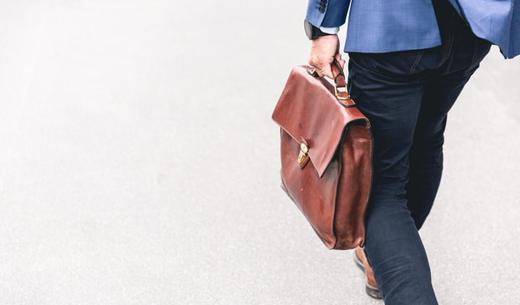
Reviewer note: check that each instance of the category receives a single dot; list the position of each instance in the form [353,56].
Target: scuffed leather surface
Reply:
[332,189]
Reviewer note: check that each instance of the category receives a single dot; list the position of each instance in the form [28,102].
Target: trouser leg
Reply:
[426,155]
[462,54]
[391,100]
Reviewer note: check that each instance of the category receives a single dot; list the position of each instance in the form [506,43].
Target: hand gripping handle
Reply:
[340,83]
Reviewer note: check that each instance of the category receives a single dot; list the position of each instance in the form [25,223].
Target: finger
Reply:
[340,60]
[313,62]
[317,64]
[318,71]
[326,70]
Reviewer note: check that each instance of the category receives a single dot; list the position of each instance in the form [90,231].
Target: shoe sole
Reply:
[372,291]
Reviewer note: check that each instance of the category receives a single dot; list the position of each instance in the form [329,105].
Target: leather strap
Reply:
[341,85]
[339,79]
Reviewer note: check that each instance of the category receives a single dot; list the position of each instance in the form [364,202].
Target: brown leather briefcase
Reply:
[326,155]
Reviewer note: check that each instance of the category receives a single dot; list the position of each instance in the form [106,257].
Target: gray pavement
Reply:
[139,163]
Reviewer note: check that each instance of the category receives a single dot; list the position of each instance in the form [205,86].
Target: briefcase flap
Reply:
[309,111]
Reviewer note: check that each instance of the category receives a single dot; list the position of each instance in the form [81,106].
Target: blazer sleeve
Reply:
[327,13]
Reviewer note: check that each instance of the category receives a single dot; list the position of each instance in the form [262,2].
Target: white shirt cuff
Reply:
[333,30]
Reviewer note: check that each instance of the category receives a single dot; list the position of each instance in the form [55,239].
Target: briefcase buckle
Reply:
[342,93]
[303,155]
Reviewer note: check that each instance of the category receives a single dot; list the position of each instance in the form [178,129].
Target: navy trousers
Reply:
[407,96]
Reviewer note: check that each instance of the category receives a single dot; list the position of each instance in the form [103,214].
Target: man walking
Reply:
[408,62]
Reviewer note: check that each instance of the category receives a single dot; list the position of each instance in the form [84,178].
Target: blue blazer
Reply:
[377,26]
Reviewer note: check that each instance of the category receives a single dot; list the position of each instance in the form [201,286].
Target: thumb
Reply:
[326,70]
[340,60]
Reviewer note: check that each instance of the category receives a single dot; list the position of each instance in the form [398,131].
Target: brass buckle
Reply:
[303,156]
[342,93]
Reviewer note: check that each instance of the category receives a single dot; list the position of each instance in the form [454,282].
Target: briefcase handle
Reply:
[340,83]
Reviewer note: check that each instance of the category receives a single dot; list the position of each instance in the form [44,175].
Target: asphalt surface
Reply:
[139,163]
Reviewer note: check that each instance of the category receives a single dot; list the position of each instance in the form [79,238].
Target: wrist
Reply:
[314,32]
